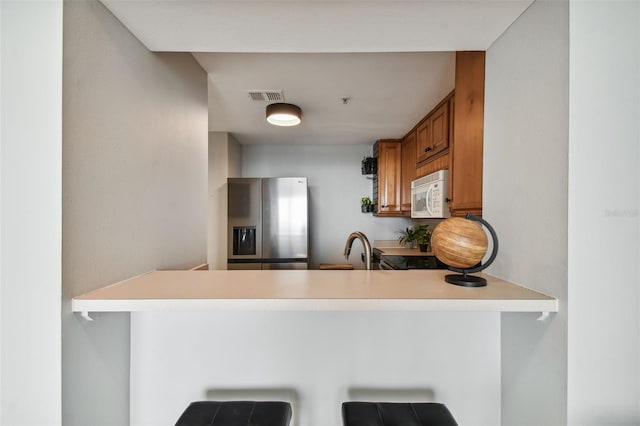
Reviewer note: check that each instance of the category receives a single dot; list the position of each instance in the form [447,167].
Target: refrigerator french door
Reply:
[268,223]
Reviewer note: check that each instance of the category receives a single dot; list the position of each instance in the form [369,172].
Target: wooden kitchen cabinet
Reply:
[408,171]
[462,153]
[449,137]
[423,140]
[440,129]
[466,153]
[433,133]
[389,177]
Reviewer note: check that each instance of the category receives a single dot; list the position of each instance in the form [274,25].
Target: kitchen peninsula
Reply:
[308,290]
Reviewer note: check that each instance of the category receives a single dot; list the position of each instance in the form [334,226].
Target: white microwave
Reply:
[429,196]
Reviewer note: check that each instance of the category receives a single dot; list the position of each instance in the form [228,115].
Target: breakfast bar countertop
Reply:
[309,290]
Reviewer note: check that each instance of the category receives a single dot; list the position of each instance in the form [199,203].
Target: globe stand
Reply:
[465,280]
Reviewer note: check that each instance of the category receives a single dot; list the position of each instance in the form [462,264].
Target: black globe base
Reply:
[465,280]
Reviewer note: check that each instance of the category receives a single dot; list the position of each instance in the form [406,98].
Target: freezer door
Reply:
[285,218]
[286,265]
[243,266]
[244,238]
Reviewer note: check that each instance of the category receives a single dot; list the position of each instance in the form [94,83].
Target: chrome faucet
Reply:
[365,243]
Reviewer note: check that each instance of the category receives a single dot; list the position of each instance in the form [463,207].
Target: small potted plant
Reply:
[369,165]
[417,234]
[367,205]
[422,236]
[407,238]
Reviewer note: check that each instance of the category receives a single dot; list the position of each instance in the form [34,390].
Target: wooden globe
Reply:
[458,242]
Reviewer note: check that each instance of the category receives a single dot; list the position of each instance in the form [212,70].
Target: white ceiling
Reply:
[389,93]
[318,52]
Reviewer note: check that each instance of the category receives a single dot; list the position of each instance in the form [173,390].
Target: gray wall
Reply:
[525,199]
[225,157]
[31,212]
[604,226]
[335,188]
[561,172]
[134,191]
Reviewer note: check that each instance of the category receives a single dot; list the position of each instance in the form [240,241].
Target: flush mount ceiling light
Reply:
[281,114]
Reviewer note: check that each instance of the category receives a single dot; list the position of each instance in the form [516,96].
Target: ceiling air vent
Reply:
[266,95]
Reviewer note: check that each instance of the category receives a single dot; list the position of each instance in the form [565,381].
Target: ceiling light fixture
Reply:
[281,114]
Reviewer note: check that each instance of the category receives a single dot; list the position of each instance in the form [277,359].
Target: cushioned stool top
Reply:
[396,414]
[236,413]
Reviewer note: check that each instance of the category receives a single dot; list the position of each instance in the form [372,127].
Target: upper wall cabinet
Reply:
[462,153]
[465,169]
[433,133]
[388,181]
[448,137]
[408,171]
[423,140]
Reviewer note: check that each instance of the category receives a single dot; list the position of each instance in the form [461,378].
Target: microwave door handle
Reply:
[413,201]
[428,200]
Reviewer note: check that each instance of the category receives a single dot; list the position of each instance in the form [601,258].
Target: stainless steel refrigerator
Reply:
[268,223]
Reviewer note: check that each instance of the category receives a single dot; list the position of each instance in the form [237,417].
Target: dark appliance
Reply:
[411,262]
[383,261]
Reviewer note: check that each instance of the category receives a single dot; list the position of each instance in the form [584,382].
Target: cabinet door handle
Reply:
[427,149]
[448,200]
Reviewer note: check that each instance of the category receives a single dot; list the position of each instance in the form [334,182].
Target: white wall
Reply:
[31,215]
[335,188]
[225,160]
[134,191]
[525,199]
[604,234]
[317,360]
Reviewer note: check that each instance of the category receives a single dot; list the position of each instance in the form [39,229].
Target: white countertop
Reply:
[401,251]
[309,290]
[392,248]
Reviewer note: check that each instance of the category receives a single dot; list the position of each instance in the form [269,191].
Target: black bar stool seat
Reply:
[396,414]
[236,413]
